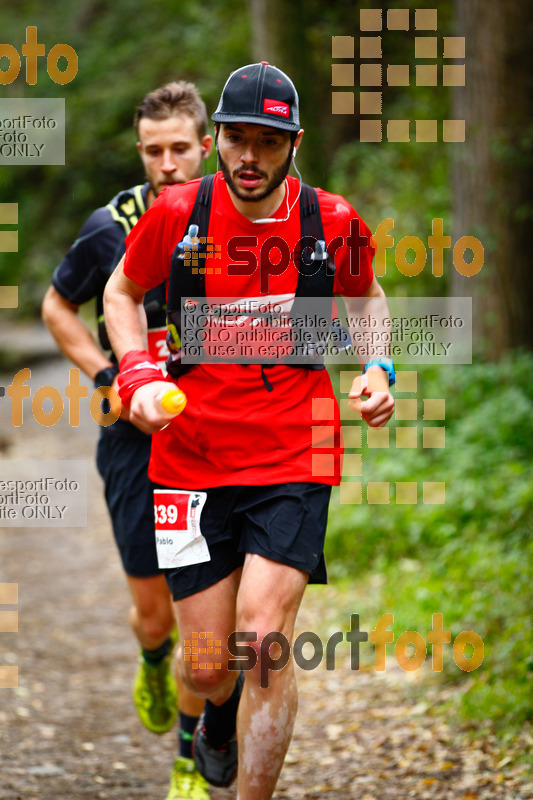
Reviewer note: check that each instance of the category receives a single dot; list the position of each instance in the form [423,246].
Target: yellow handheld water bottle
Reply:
[172,401]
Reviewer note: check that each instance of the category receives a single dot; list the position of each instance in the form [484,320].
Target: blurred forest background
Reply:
[471,557]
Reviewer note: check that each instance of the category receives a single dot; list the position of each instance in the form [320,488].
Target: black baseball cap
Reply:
[260,94]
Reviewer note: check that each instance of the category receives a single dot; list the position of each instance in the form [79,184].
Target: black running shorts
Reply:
[285,522]
[123,464]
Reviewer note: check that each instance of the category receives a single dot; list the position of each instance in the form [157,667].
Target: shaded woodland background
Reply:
[471,558]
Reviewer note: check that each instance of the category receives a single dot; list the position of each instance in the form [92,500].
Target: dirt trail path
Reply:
[70,731]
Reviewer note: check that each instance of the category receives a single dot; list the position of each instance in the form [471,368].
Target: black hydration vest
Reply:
[315,280]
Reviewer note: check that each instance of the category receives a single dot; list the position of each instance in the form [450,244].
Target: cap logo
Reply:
[275,107]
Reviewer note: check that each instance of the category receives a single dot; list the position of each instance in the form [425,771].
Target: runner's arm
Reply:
[73,338]
[124,313]
[127,329]
[374,384]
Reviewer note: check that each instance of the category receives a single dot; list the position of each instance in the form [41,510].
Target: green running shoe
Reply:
[155,695]
[186,783]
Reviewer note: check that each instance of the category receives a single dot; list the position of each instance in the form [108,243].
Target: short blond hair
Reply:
[178,97]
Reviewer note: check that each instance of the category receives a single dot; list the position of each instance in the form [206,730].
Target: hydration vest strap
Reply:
[315,268]
[127,207]
[182,281]
[316,273]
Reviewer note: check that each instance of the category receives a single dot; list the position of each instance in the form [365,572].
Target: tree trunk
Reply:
[290,34]
[493,169]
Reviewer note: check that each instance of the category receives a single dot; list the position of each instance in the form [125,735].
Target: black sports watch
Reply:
[105,376]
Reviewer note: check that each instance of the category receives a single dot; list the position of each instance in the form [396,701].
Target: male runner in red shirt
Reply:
[235,468]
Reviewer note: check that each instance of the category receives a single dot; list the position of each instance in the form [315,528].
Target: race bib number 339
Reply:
[178,533]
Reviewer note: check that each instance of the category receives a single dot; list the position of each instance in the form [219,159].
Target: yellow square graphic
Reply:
[352,466]
[348,413]
[370,47]
[405,409]
[370,130]
[342,103]
[406,381]
[454,47]
[433,493]
[352,436]
[433,437]
[370,19]
[398,130]
[453,75]
[398,19]
[342,46]
[377,437]
[9,241]
[406,493]
[426,130]
[425,47]
[370,74]
[323,407]
[9,621]
[378,380]
[9,677]
[9,296]
[322,436]
[347,378]
[9,593]
[370,102]
[407,436]
[9,213]
[435,409]
[426,75]
[351,493]
[453,130]
[398,75]
[426,19]
[342,75]
[322,465]
[377,492]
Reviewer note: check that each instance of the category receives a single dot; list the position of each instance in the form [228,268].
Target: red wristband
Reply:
[137,367]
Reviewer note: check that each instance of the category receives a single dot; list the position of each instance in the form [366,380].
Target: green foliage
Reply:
[125,49]
[471,558]
[128,47]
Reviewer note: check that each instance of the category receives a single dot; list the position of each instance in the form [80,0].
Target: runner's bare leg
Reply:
[213,610]
[269,597]
[151,615]
[266,600]
[152,619]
